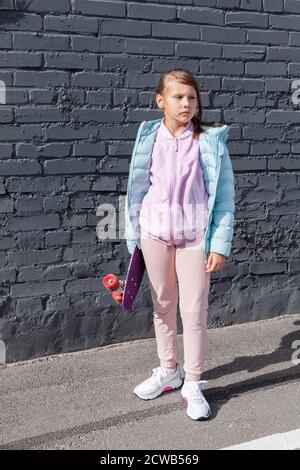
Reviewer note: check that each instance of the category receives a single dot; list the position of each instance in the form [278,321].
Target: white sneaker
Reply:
[160,381]
[193,398]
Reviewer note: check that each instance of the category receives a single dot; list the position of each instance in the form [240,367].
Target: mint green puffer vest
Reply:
[218,179]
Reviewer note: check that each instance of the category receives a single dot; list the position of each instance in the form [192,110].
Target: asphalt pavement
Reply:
[85,400]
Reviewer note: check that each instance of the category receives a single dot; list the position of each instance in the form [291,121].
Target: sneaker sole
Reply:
[201,418]
[164,390]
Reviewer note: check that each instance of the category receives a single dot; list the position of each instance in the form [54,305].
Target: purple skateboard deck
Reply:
[134,278]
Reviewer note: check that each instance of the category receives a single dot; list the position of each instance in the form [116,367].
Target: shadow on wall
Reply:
[12,17]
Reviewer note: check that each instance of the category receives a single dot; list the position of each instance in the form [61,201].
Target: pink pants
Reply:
[163,263]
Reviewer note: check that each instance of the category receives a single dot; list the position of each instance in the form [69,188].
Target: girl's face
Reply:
[177,99]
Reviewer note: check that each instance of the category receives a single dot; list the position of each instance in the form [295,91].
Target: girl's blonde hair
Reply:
[186,78]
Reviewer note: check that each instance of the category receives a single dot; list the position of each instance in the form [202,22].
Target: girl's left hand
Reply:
[215,262]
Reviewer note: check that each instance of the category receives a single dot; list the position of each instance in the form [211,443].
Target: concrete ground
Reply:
[85,400]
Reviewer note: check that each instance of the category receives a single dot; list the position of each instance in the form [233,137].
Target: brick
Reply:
[123,28]
[30,239]
[277,84]
[190,49]
[2,187]
[7,276]
[38,222]
[29,205]
[19,59]
[99,8]
[222,35]
[5,40]
[69,60]
[57,272]
[78,183]
[74,220]
[244,52]
[285,117]
[85,44]
[89,150]
[87,115]
[245,19]
[267,267]
[60,6]
[294,69]
[40,41]
[112,44]
[251,4]
[6,205]
[151,12]
[84,236]
[270,68]
[245,101]
[6,243]
[273,5]
[99,97]
[85,285]
[19,167]
[284,164]
[178,31]
[290,54]
[201,15]
[42,96]
[55,203]
[287,22]
[42,185]
[38,78]
[24,306]
[6,115]
[36,289]
[16,96]
[249,164]
[57,238]
[294,266]
[269,148]
[96,80]
[69,166]
[294,39]
[255,36]
[244,116]
[221,67]
[149,46]
[27,257]
[65,132]
[291,6]
[39,114]
[227,3]
[244,84]
[21,21]
[71,24]
[48,150]
[7,5]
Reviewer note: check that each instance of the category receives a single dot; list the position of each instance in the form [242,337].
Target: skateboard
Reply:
[125,292]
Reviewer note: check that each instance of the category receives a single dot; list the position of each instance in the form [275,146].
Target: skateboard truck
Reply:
[115,286]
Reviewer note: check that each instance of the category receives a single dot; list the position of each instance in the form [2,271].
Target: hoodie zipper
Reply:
[171,194]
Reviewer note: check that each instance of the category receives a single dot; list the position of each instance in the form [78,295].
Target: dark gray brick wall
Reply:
[79,76]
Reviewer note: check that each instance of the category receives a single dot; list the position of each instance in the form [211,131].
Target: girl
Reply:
[180,162]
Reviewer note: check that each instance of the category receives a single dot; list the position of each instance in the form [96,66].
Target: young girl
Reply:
[180,162]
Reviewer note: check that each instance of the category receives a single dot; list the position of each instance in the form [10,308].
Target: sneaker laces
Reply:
[157,373]
[196,390]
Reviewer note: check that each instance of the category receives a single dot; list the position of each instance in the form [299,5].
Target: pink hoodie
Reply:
[174,210]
